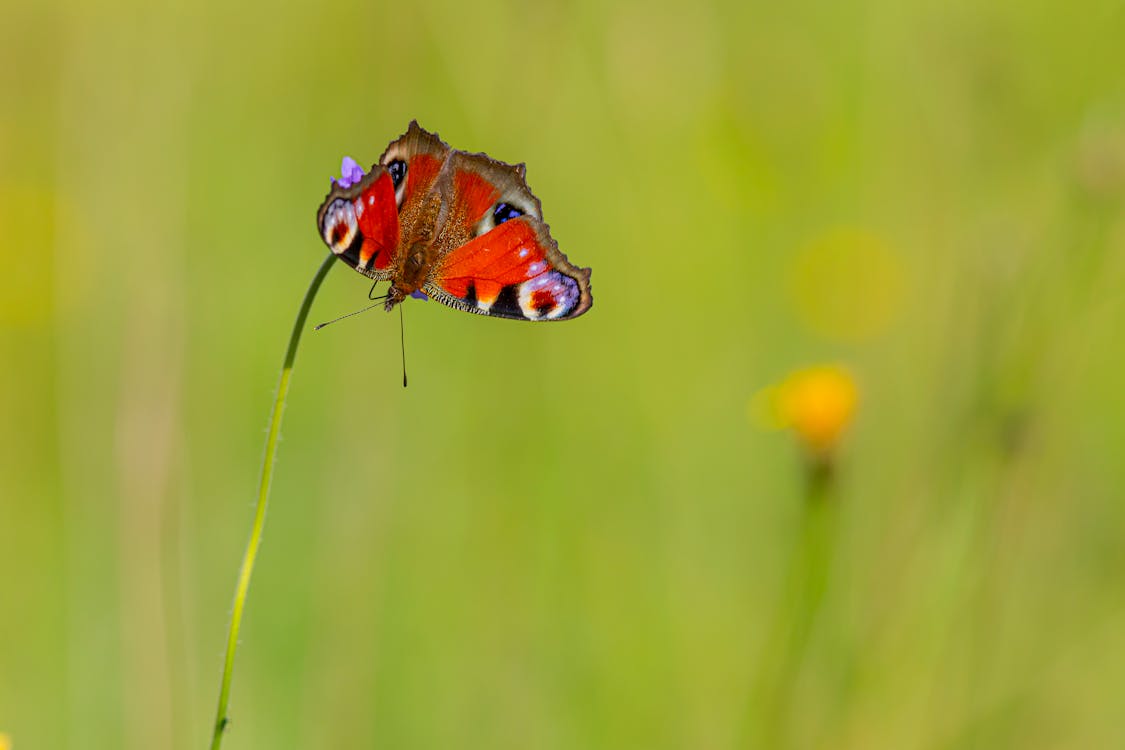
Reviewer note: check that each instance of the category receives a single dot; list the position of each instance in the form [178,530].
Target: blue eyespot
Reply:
[397,168]
[504,212]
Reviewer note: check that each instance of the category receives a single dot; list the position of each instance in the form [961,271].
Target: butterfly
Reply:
[458,227]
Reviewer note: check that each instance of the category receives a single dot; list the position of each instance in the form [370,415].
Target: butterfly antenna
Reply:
[378,301]
[402,340]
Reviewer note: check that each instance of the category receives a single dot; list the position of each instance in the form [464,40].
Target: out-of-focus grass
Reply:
[566,536]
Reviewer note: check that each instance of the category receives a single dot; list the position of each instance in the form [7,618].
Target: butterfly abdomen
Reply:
[415,266]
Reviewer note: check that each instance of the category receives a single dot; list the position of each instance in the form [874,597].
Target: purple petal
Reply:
[351,170]
[419,294]
[350,173]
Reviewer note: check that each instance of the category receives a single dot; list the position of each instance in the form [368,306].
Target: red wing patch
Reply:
[513,271]
[421,172]
[378,222]
[473,195]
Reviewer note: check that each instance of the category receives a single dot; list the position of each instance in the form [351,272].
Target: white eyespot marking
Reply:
[339,226]
[535,268]
[359,208]
[523,252]
[548,296]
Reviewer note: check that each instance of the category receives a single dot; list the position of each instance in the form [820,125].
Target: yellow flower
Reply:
[847,284]
[817,403]
[5,742]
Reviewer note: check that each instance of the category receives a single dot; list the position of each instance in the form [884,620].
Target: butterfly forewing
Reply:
[415,158]
[360,223]
[478,186]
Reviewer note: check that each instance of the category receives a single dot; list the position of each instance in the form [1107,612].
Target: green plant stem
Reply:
[804,592]
[263,501]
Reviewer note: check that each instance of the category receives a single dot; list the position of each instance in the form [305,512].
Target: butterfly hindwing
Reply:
[515,270]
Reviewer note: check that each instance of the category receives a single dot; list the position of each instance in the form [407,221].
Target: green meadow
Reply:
[611,533]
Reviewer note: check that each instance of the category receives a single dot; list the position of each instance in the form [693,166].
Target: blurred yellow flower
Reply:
[847,284]
[817,403]
[5,742]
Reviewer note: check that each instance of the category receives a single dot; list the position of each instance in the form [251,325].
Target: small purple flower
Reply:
[419,294]
[350,173]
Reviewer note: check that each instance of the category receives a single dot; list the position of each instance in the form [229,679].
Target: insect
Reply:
[461,228]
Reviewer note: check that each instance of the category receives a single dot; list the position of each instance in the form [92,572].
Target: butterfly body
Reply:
[460,227]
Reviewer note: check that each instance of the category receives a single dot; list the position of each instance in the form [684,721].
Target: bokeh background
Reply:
[581,535]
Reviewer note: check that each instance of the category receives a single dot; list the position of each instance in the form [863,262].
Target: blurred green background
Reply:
[576,535]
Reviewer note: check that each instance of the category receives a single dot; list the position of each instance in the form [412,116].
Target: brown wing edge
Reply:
[560,262]
[507,178]
[416,140]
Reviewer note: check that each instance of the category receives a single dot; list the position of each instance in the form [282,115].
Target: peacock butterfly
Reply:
[459,227]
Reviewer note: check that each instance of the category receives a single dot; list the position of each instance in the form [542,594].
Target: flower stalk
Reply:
[817,404]
[255,540]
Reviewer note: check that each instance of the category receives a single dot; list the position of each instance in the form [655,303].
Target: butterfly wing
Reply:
[360,223]
[513,271]
[475,186]
[496,255]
